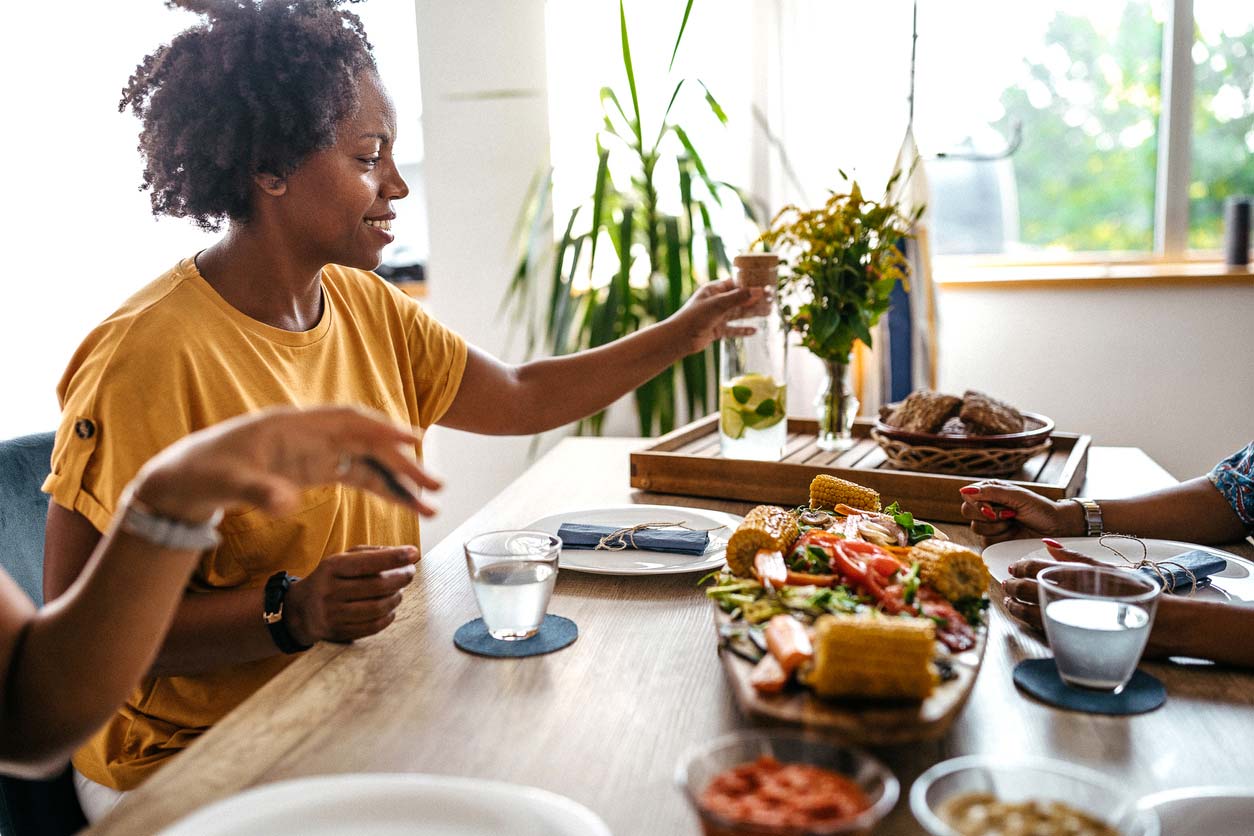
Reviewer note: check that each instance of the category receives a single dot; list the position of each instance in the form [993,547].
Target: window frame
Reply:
[1171,189]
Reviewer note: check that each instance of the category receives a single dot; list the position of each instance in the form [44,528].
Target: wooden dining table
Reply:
[605,720]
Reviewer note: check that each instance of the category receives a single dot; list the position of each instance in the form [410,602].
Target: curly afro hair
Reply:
[254,88]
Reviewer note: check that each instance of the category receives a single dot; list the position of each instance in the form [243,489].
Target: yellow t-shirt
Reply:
[176,358]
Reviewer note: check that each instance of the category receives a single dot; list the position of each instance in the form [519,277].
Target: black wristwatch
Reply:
[272,613]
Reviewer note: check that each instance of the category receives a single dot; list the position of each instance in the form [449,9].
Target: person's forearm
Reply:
[1203,630]
[558,390]
[1194,511]
[81,655]
[215,629]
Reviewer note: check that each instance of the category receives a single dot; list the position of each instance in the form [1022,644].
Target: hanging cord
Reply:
[1167,580]
[914,43]
[1016,137]
[617,541]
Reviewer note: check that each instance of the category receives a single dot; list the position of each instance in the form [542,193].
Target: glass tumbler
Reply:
[512,574]
[1097,620]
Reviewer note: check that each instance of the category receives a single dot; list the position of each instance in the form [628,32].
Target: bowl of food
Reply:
[781,783]
[977,795]
[975,435]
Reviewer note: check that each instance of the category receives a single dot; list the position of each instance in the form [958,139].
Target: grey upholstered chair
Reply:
[30,807]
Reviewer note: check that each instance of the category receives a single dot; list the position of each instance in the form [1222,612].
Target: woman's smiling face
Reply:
[337,204]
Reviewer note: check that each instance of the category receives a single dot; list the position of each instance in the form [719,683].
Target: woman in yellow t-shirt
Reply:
[270,118]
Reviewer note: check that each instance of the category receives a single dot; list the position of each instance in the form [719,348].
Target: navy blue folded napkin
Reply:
[1172,574]
[675,540]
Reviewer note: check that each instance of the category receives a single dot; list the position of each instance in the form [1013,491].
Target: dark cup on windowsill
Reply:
[1237,231]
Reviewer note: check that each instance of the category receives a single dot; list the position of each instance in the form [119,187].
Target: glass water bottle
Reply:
[753,370]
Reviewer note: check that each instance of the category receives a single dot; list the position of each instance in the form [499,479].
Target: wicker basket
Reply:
[961,461]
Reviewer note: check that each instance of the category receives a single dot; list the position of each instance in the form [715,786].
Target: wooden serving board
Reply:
[687,461]
[866,722]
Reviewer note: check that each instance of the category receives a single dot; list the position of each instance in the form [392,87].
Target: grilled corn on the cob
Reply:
[872,656]
[829,491]
[765,527]
[953,571]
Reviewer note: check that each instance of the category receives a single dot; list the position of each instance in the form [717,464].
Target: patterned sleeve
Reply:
[1234,478]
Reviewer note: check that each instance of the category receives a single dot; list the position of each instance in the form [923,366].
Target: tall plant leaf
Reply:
[750,211]
[622,281]
[680,36]
[685,199]
[665,387]
[661,132]
[715,107]
[559,268]
[646,406]
[631,74]
[598,202]
[608,95]
[697,163]
[559,329]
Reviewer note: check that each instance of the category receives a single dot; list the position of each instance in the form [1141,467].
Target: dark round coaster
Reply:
[555,633]
[1039,677]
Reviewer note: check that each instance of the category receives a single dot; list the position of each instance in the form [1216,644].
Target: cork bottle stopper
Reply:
[757,269]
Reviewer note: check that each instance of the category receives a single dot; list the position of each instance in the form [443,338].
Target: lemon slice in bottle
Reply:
[731,422]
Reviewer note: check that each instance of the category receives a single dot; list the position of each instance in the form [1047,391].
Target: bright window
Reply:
[1075,91]
[1223,116]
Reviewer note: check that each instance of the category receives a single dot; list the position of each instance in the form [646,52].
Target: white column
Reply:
[485,132]
[1175,130]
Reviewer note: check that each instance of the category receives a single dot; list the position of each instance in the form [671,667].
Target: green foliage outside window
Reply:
[1087,167]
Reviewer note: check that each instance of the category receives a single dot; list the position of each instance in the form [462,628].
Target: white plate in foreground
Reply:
[640,561]
[1234,584]
[390,805]
[1215,811]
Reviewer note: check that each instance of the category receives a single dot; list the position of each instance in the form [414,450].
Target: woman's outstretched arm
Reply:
[64,668]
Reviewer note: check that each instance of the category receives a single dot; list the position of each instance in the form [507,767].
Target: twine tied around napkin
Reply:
[1166,579]
[617,541]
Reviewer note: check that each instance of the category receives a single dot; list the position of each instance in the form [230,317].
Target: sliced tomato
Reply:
[955,633]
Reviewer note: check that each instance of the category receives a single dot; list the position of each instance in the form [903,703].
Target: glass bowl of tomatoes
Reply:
[784,783]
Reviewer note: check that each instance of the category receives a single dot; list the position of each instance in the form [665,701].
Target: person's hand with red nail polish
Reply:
[1001,511]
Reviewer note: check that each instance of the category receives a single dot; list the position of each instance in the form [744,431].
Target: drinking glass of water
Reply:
[512,574]
[1097,620]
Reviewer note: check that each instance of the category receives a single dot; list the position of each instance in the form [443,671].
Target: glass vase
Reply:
[836,407]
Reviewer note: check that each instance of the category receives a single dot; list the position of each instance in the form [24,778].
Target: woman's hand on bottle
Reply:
[266,458]
[1000,511]
[705,317]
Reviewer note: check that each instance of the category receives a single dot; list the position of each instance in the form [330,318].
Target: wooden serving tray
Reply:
[866,722]
[687,462]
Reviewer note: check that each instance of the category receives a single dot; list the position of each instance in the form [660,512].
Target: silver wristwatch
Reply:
[1092,516]
[168,533]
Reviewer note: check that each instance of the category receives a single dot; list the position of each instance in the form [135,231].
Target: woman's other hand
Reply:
[1022,592]
[350,595]
[266,458]
[705,317]
[1000,511]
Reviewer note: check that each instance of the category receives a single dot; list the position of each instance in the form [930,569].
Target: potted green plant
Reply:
[681,250]
[843,260]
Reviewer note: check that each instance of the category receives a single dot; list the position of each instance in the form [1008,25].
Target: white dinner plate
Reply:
[641,561]
[1235,584]
[1215,811]
[392,804]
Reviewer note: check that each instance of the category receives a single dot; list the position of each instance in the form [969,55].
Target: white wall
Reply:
[1167,368]
[485,132]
